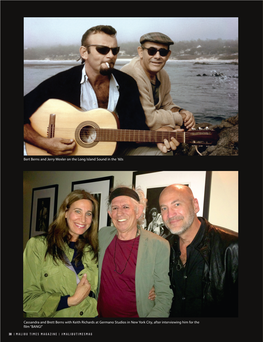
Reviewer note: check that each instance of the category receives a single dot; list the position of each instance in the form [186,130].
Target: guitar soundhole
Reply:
[86,134]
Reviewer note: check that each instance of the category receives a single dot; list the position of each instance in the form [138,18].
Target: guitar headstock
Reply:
[201,137]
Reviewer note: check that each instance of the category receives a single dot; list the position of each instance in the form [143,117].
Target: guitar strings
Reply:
[128,135]
[133,135]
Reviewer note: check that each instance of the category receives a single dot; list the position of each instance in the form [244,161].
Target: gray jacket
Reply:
[151,270]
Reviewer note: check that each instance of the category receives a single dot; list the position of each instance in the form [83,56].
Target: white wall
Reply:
[35,179]
[223,209]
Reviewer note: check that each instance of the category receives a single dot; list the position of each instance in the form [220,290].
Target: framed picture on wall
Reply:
[153,182]
[43,209]
[100,189]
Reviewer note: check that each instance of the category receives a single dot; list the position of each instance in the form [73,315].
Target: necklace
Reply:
[179,265]
[115,270]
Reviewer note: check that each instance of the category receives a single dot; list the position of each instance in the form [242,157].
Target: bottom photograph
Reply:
[130,244]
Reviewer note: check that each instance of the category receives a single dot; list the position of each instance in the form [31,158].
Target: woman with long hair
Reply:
[60,267]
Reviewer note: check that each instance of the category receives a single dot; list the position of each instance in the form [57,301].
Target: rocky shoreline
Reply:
[227,144]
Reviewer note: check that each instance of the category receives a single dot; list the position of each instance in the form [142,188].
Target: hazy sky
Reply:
[50,31]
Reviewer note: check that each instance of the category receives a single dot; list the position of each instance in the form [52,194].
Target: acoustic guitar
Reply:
[96,131]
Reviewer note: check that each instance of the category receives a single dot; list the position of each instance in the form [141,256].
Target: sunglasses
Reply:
[104,50]
[152,51]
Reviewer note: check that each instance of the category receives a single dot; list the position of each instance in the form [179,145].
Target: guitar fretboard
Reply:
[129,135]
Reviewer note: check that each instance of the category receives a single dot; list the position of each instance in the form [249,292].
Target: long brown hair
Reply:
[58,231]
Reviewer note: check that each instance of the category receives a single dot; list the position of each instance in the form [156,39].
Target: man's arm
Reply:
[164,294]
[134,117]
[64,86]
[188,117]
[54,146]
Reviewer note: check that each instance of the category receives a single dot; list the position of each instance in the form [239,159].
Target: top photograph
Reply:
[130,86]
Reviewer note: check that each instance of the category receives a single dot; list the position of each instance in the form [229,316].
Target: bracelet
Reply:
[180,110]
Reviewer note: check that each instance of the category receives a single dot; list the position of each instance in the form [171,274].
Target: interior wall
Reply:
[223,208]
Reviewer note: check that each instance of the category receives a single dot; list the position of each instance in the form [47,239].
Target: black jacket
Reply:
[66,86]
[219,248]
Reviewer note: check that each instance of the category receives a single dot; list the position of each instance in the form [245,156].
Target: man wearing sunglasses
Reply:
[154,86]
[93,84]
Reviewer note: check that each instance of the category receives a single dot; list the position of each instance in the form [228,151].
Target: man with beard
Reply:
[203,261]
[94,85]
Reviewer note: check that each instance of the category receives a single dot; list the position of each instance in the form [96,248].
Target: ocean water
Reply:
[210,98]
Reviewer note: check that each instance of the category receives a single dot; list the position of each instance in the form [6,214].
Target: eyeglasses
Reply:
[152,51]
[104,50]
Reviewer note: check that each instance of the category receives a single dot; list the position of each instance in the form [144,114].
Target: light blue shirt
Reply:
[88,98]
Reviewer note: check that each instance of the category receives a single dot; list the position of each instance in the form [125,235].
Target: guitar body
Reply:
[69,124]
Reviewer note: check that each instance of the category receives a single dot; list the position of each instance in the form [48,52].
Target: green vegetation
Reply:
[180,50]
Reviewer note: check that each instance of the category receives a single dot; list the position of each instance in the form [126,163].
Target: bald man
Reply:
[203,261]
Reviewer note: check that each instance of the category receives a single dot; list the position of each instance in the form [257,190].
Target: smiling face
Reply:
[124,214]
[178,209]
[79,217]
[152,64]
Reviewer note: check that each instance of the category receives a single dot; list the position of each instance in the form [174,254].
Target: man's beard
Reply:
[106,71]
[185,226]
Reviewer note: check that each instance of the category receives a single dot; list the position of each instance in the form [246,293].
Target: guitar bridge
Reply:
[51,126]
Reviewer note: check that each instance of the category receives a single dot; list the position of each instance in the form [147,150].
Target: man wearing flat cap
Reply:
[132,260]
[154,87]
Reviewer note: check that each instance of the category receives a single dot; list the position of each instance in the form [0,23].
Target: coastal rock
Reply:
[217,74]
[227,144]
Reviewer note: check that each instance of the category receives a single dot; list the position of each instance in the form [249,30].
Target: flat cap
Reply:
[156,37]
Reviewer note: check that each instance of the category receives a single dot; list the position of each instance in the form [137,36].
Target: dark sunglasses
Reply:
[152,51]
[104,50]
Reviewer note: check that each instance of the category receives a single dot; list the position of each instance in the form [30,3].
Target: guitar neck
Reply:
[195,137]
[129,135]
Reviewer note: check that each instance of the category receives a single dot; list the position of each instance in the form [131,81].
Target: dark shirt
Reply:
[79,267]
[187,280]
[155,89]
[218,247]
[63,304]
